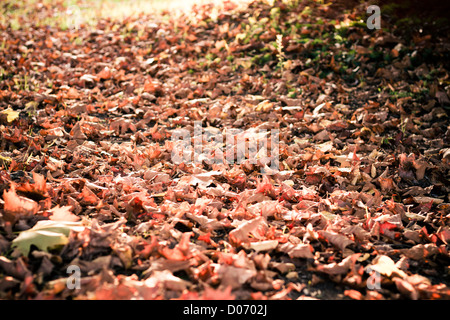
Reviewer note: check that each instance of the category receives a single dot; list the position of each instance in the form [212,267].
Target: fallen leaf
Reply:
[266,245]
[73,94]
[356,295]
[45,235]
[241,233]
[234,277]
[420,251]
[425,200]
[15,205]
[301,250]
[406,288]
[37,188]
[63,214]
[11,115]
[88,196]
[385,266]
[338,240]
[181,250]
[339,268]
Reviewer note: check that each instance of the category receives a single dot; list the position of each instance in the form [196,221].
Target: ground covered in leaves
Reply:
[359,207]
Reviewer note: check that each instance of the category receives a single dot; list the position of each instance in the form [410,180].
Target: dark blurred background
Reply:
[412,16]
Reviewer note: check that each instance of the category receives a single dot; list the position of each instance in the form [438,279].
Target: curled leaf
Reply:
[338,240]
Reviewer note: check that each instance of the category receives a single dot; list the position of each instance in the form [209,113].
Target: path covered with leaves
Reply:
[359,207]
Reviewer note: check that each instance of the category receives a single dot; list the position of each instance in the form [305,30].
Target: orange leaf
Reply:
[38,187]
[356,295]
[39,182]
[181,250]
[105,74]
[386,184]
[151,86]
[48,43]
[218,294]
[444,235]
[89,196]
[191,37]
[73,93]
[16,205]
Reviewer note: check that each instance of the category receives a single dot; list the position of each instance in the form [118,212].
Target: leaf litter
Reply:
[87,177]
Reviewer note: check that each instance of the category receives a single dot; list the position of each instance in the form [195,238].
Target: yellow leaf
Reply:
[240,36]
[287,64]
[11,115]
[264,106]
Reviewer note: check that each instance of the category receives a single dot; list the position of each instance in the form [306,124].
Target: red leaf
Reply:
[206,238]
[386,226]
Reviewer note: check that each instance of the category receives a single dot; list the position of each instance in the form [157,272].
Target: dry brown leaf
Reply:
[301,250]
[339,268]
[406,288]
[242,232]
[234,277]
[338,240]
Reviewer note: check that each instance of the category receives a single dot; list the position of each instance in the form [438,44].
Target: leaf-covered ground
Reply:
[358,209]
